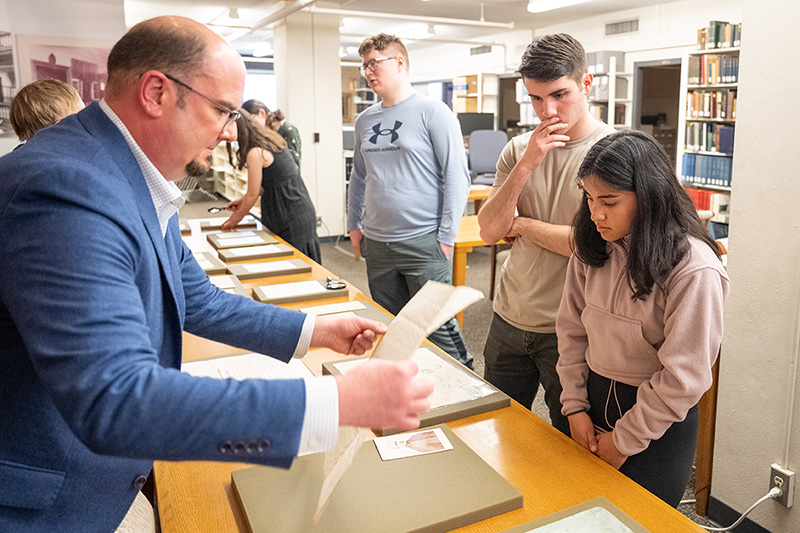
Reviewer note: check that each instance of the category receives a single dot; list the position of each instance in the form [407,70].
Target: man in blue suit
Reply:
[97,287]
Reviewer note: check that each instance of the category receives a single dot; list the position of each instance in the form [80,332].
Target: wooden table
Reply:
[551,470]
[479,194]
[469,236]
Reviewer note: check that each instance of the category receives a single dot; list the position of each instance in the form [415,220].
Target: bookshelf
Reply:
[709,90]
[227,181]
[356,94]
[476,93]
[610,98]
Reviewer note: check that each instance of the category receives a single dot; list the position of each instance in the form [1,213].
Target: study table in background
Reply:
[552,471]
[469,236]
[478,194]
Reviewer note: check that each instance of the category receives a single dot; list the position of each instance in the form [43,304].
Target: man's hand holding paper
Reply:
[350,335]
[381,394]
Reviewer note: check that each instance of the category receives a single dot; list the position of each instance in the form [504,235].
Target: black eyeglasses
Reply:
[233,114]
[372,64]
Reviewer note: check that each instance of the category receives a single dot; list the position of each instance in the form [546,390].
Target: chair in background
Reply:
[485,147]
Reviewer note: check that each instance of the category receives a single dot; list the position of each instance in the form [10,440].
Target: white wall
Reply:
[84,19]
[307,70]
[447,61]
[665,30]
[761,315]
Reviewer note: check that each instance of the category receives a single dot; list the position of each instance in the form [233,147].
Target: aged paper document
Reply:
[432,306]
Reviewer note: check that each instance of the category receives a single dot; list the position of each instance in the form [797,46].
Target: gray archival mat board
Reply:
[240,239]
[256,252]
[263,270]
[248,221]
[445,413]
[266,294]
[210,264]
[614,521]
[410,494]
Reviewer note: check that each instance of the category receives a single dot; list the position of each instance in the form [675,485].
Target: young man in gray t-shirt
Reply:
[408,187]
[532,204]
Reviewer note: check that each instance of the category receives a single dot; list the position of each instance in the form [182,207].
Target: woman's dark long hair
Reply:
[665,215]
[252,135]
[253,106]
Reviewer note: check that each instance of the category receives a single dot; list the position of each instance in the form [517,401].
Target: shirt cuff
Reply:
[321,421]
[304,341]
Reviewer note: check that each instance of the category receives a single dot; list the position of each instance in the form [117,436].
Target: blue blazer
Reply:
[93,302]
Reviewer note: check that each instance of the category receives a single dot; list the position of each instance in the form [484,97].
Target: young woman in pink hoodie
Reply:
[640,321]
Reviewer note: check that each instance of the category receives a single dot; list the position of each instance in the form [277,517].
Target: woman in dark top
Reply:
[276,121]
[286,208]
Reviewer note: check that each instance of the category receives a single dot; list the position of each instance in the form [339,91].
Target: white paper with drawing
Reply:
[431,307]
[451,385]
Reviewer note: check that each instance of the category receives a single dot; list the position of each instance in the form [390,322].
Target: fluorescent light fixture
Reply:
[539,6]
[263,51]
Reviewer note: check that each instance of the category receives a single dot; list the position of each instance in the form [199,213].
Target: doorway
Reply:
[656,101]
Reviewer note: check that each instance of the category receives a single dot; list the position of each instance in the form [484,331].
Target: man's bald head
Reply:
[178,46]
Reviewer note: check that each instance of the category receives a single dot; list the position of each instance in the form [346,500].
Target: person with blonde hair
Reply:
[42,103]
[408,187]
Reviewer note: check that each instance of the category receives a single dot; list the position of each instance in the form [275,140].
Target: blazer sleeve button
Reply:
[264,445]
[139,482]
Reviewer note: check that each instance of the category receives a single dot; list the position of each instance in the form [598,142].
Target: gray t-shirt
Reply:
[409,173]
[532,278]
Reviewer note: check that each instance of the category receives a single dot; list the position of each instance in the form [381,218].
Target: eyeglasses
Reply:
[334,284]
[232,114]
[372,64]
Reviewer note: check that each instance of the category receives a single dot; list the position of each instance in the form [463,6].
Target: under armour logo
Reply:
[379,132]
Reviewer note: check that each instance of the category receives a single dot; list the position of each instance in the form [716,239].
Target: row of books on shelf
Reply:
[705,200]
[719,104]
[710,137]
[713,69]
[600,112]
[719,34]
[707,170]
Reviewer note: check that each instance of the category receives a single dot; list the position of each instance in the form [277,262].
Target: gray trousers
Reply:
[397,270]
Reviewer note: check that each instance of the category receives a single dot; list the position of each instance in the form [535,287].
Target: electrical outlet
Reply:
[784,480]
[319,220]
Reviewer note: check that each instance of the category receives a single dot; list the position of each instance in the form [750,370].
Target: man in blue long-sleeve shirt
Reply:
[408,187]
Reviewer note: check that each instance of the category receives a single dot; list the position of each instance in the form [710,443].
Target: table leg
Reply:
[460,272]
[704,457]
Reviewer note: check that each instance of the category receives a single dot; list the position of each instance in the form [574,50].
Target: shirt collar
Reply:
[166,196]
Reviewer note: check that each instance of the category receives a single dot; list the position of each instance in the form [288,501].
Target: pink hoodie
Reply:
[665,345]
